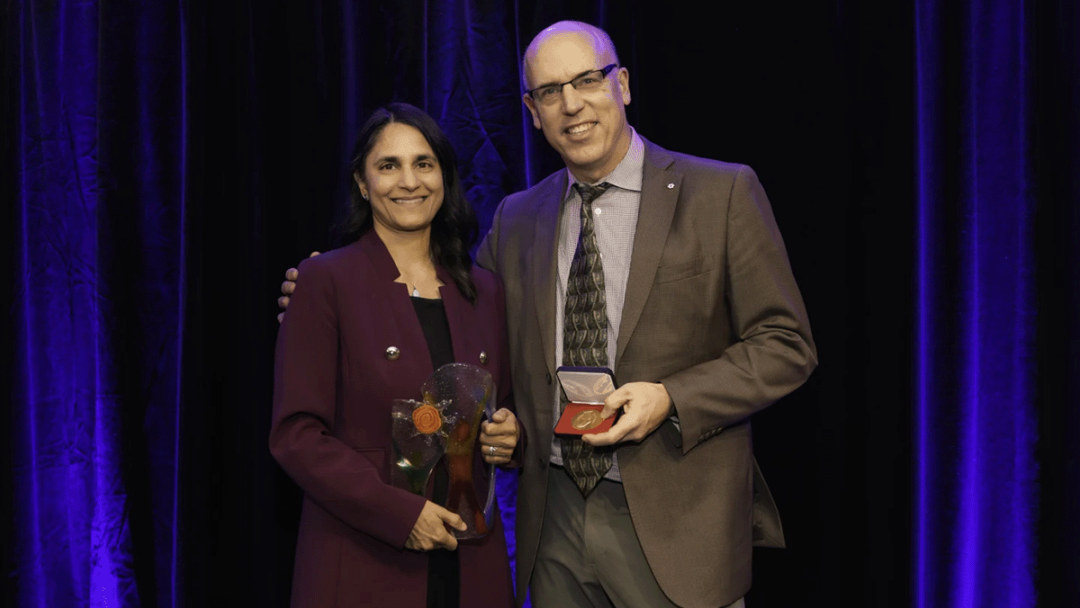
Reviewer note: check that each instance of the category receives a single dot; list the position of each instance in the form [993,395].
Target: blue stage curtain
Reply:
[101,116]
[1057,115]
[976,419]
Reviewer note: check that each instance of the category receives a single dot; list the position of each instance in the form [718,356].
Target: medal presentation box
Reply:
[585,389]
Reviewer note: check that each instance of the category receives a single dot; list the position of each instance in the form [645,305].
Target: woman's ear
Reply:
[360,184]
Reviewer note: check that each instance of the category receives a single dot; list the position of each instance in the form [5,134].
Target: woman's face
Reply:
[403,181]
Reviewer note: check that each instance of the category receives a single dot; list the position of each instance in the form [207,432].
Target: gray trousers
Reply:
[589,555]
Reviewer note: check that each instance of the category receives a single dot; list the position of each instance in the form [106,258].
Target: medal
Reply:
[586,420]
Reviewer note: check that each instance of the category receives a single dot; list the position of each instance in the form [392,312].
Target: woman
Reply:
[367,325]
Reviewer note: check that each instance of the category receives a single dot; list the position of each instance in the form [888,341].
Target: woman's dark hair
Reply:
[454,228]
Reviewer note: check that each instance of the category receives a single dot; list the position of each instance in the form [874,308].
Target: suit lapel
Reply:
[660,187]
[545,262]
[398,314]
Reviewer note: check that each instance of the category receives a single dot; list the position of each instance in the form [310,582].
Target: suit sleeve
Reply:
[485,254]
[774,352]
[330,472]
[506,396]
[486,258]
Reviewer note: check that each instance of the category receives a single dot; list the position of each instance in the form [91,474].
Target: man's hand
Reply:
[502,434]
[429,532]
[645,407]
[291,275]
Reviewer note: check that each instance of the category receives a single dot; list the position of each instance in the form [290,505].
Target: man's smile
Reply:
[579,129]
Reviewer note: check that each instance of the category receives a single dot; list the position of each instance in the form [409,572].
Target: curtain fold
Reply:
[976,363]
[100,215]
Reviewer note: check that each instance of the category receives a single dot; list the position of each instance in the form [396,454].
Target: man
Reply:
[678,280]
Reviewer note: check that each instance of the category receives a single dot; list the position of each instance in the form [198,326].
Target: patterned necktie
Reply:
[585,335]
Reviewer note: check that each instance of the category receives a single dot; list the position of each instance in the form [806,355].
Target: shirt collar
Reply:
[626,175]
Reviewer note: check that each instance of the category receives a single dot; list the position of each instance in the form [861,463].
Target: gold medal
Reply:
[586,420]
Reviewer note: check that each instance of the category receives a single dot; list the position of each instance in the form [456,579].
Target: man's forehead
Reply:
[565,54]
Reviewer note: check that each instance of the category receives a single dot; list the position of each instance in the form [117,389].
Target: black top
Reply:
[444,573]
[432,317]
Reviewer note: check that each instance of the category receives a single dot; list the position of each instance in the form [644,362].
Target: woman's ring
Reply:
[492,450]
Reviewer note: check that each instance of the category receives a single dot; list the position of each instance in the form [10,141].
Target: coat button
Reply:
[548,378]
[483,357]
[392,353]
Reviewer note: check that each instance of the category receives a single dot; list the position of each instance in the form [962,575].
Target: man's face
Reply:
[588,129]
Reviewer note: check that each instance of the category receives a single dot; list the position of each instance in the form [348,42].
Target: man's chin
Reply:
[584,165]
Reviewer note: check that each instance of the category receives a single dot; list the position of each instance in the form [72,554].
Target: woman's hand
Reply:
[501,433]
[429,532]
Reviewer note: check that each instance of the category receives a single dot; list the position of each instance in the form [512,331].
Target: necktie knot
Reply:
[590,193]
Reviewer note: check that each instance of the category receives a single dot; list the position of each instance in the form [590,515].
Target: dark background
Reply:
[818,97]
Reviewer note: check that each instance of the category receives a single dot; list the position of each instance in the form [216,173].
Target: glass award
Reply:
[445,424]
[419,441]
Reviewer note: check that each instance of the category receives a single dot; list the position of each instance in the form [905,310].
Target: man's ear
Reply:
[624,85]
[531,104]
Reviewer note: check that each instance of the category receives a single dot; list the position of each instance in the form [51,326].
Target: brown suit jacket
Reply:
[333,387]
[711,311]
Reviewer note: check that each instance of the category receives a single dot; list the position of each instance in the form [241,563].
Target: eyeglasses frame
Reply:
[604,71]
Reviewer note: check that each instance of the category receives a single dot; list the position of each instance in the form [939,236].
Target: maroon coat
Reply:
[333,385]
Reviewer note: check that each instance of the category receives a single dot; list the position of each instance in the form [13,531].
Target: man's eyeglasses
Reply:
[588,81]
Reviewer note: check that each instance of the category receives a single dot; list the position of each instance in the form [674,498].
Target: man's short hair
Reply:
[599,36]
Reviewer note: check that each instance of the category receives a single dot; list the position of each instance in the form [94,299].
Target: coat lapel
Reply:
[546,262]
[660,187]
[398,313]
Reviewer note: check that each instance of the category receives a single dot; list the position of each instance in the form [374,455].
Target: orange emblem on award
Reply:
[427,419]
